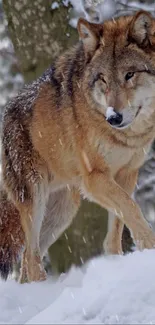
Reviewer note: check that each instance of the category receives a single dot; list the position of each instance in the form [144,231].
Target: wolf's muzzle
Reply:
[116,119]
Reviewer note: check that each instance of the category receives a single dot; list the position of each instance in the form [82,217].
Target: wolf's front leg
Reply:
[126,178]
[102,187]
[113,241]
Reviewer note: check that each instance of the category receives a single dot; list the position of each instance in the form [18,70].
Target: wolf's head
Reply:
[119,79]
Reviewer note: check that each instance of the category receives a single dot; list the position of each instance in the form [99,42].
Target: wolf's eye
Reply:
[102,78]
[129,75]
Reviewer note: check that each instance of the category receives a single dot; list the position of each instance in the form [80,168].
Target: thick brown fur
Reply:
[57,142]
[11,235]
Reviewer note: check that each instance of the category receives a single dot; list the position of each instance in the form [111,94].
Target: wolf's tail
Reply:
[11,235]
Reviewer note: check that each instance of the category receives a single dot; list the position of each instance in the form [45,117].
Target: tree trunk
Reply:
[39,33]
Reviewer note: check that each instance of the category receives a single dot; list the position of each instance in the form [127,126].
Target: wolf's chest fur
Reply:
[117,157]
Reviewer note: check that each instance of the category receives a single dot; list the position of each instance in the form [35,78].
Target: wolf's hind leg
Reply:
[61,208]
[31,218]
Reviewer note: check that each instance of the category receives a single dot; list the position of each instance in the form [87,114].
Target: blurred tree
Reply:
[145,190]
[38,32]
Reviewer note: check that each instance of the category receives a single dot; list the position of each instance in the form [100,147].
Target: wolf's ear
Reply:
[140,28]
[90,34]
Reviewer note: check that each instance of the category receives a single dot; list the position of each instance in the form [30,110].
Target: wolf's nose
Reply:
[115,119]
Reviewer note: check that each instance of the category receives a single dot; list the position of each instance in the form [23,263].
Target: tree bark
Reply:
[38,33]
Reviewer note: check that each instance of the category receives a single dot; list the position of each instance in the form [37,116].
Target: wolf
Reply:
[81,129]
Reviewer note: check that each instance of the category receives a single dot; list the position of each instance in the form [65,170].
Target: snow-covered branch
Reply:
[100,10]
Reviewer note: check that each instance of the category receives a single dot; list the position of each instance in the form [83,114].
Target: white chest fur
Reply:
[118,157]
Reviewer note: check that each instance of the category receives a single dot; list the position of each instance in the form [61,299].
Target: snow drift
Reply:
[108,290]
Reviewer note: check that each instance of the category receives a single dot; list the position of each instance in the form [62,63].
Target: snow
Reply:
[110,112]
[101,10]
[98,10]
[143,6]
[108,290]
[55,5]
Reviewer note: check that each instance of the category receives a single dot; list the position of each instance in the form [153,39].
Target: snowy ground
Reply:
[112,290]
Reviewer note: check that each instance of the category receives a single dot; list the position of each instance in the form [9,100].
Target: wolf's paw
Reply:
[146,240]
[23,279]
[38,275]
